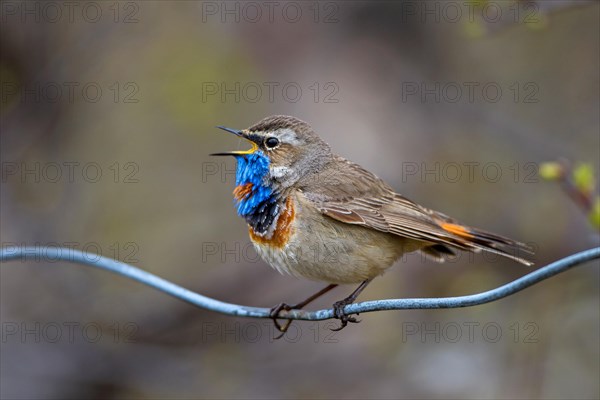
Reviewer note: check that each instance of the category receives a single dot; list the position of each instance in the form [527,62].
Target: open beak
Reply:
[253,139]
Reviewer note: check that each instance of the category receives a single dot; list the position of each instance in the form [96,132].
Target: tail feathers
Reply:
[438,252]
[476,239]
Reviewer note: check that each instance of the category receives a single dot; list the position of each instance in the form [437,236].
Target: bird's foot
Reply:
[274,313]
[338,312]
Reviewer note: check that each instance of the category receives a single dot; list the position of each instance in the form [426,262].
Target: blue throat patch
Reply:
[258,203]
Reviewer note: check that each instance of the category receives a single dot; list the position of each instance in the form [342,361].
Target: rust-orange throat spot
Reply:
[242,191]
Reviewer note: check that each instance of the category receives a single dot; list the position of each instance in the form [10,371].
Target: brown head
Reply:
[293,149]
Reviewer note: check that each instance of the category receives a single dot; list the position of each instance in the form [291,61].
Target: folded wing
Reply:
[355,196]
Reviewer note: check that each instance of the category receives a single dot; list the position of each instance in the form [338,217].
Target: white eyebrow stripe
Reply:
[288,136]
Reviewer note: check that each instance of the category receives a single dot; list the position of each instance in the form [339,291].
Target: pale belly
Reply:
[321,248]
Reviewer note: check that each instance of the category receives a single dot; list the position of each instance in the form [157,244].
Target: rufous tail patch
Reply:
[458,230]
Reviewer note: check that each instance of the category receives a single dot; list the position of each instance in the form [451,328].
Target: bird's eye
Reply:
[271,142]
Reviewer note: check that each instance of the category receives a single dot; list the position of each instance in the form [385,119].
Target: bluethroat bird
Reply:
[314,214]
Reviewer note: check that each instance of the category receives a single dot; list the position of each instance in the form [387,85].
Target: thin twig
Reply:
[75,256]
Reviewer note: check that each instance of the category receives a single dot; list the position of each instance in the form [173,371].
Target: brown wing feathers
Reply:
[400,216]
[351,194]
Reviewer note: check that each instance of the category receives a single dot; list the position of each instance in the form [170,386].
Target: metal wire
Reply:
[70,255]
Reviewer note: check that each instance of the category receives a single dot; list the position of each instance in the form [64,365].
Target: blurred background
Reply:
[107,120]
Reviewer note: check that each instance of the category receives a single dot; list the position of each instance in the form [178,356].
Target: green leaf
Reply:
[583,178]
[595,214]
[551,171]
